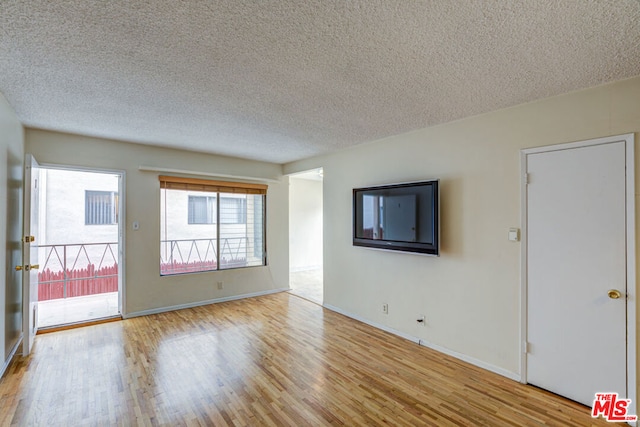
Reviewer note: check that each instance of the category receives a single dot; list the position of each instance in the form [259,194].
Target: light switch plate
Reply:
[514,234]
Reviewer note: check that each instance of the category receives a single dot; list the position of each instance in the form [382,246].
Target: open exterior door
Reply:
[30,253]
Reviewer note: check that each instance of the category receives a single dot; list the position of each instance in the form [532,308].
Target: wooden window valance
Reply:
[194,184]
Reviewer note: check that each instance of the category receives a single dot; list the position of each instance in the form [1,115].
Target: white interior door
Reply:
[30,253]
[576,254]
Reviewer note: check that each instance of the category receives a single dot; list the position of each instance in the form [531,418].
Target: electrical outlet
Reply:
[385,308]
[220,287]
[421,320]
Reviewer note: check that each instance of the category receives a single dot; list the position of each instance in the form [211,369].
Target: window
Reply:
[202,210]
[211,225]
[100,207]
[233,210]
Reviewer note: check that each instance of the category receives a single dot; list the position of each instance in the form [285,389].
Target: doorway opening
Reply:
[305,235]
[79,249]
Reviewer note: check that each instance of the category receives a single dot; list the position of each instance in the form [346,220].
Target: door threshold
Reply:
[64,327]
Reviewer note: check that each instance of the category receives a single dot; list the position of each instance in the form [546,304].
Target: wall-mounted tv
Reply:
[399,217]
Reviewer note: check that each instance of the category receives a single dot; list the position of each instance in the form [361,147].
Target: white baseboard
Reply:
[10,358]
[374,324]
[200,303]
[471,360]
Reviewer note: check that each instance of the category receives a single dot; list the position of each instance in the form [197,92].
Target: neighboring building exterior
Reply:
[189,230]
[66,200]
[77,233]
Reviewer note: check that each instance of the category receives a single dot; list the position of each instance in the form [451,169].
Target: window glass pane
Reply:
[241,231]
[189,222]
[256,217]
[188,239]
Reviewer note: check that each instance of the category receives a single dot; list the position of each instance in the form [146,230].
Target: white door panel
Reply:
[30,253]
[576,245]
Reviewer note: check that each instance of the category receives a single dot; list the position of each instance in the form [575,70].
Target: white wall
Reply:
[11,179]
[470,294]
[145,289]
[305,223]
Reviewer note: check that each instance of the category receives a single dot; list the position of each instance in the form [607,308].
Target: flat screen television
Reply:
[398,217]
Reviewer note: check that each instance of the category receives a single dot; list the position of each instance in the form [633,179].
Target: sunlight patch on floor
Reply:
[77,309]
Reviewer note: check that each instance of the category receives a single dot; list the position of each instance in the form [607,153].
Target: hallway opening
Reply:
[305,235]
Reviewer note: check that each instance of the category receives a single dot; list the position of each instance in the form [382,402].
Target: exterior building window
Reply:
[233,210]
[211,225]
[203,210]
[100,207]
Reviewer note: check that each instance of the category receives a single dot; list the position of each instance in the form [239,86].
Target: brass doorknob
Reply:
[27,267]
[614,293]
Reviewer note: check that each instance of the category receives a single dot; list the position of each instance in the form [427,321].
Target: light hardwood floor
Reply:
[273,360]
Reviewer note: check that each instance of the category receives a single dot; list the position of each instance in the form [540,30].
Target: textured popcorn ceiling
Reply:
[284,80]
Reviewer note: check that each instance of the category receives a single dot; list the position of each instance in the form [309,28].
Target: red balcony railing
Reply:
[193,255]
[78,269]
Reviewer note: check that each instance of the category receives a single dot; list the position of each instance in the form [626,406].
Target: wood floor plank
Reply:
[276,360]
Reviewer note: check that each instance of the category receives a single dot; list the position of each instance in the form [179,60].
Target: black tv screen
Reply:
[399,217]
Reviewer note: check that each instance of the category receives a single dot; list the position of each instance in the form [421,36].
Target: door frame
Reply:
[628,140]
[121,223]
